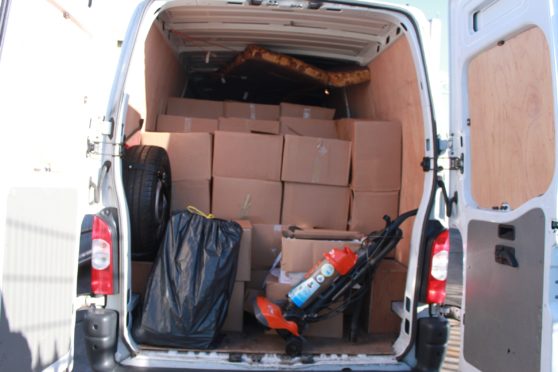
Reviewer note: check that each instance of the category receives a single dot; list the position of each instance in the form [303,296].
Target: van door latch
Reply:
[505,255]
[457,163]
[450,202]
[443,163]
[85,301]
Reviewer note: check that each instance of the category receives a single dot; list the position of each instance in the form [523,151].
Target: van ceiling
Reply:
[208,36]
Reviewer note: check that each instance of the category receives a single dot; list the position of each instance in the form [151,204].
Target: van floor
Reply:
[274,344]
[255,340]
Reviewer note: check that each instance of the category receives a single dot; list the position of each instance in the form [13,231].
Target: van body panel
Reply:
[503,104]
[45,182]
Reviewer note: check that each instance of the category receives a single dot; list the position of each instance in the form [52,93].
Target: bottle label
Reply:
[302,292]
[327,270]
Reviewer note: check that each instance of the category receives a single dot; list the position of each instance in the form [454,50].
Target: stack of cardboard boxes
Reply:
[315,169]
[186,133]
[247,180]
[235,316]
[315,172]
[375,185]
[375,171]
[274,166]
[266,248]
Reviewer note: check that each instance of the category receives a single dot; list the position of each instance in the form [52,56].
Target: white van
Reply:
[499,192]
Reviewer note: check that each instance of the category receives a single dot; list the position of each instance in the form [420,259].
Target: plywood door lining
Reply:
[393,94]
[512,126]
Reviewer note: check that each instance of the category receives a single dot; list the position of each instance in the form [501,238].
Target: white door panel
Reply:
[38,274]
[503,112]
[45,74]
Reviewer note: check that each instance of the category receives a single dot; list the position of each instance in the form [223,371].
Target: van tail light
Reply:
[437,277]
[102,258]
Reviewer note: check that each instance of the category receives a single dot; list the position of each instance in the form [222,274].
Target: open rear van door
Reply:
[43,188]
[503,112]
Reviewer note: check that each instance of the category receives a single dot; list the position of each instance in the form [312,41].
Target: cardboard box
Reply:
[266,245]
[291,278]
[251,111]
[235,314]
[250,295]
[322,234]
[189,153]
[315,206]
[255,200]
[183,124]
[277,293]
[195,108]
[247,155]
[316,160]
[376,153]
[369,208]
[388,285]
[245,253]
[191,192]
[300,255]
[257,278]
[331,328]
[308,127]
[140,275]
[306,112]
[249,125]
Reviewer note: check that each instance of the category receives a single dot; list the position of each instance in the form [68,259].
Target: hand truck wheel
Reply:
[293,346]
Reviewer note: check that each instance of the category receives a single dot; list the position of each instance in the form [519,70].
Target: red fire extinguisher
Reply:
[336,262]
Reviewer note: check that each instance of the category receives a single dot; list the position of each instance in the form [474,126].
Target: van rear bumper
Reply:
[432,342]
[393,367]
[100,327]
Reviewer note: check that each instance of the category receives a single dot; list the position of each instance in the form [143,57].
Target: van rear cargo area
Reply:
[324,132]
[253,340]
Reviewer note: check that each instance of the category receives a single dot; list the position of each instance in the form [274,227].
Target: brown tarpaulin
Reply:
[294,68]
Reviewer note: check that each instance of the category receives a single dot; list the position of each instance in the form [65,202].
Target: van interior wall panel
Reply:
[510,104]
[393,94]
[159,75]
[133,122]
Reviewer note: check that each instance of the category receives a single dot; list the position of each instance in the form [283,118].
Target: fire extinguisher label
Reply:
[327,270]
[302,292]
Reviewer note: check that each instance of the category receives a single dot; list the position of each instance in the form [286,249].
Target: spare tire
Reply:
[147,181]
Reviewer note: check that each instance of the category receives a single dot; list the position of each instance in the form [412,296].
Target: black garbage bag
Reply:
[191,283]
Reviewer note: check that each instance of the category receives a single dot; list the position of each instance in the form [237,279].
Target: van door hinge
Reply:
[99,130]
[100,126]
